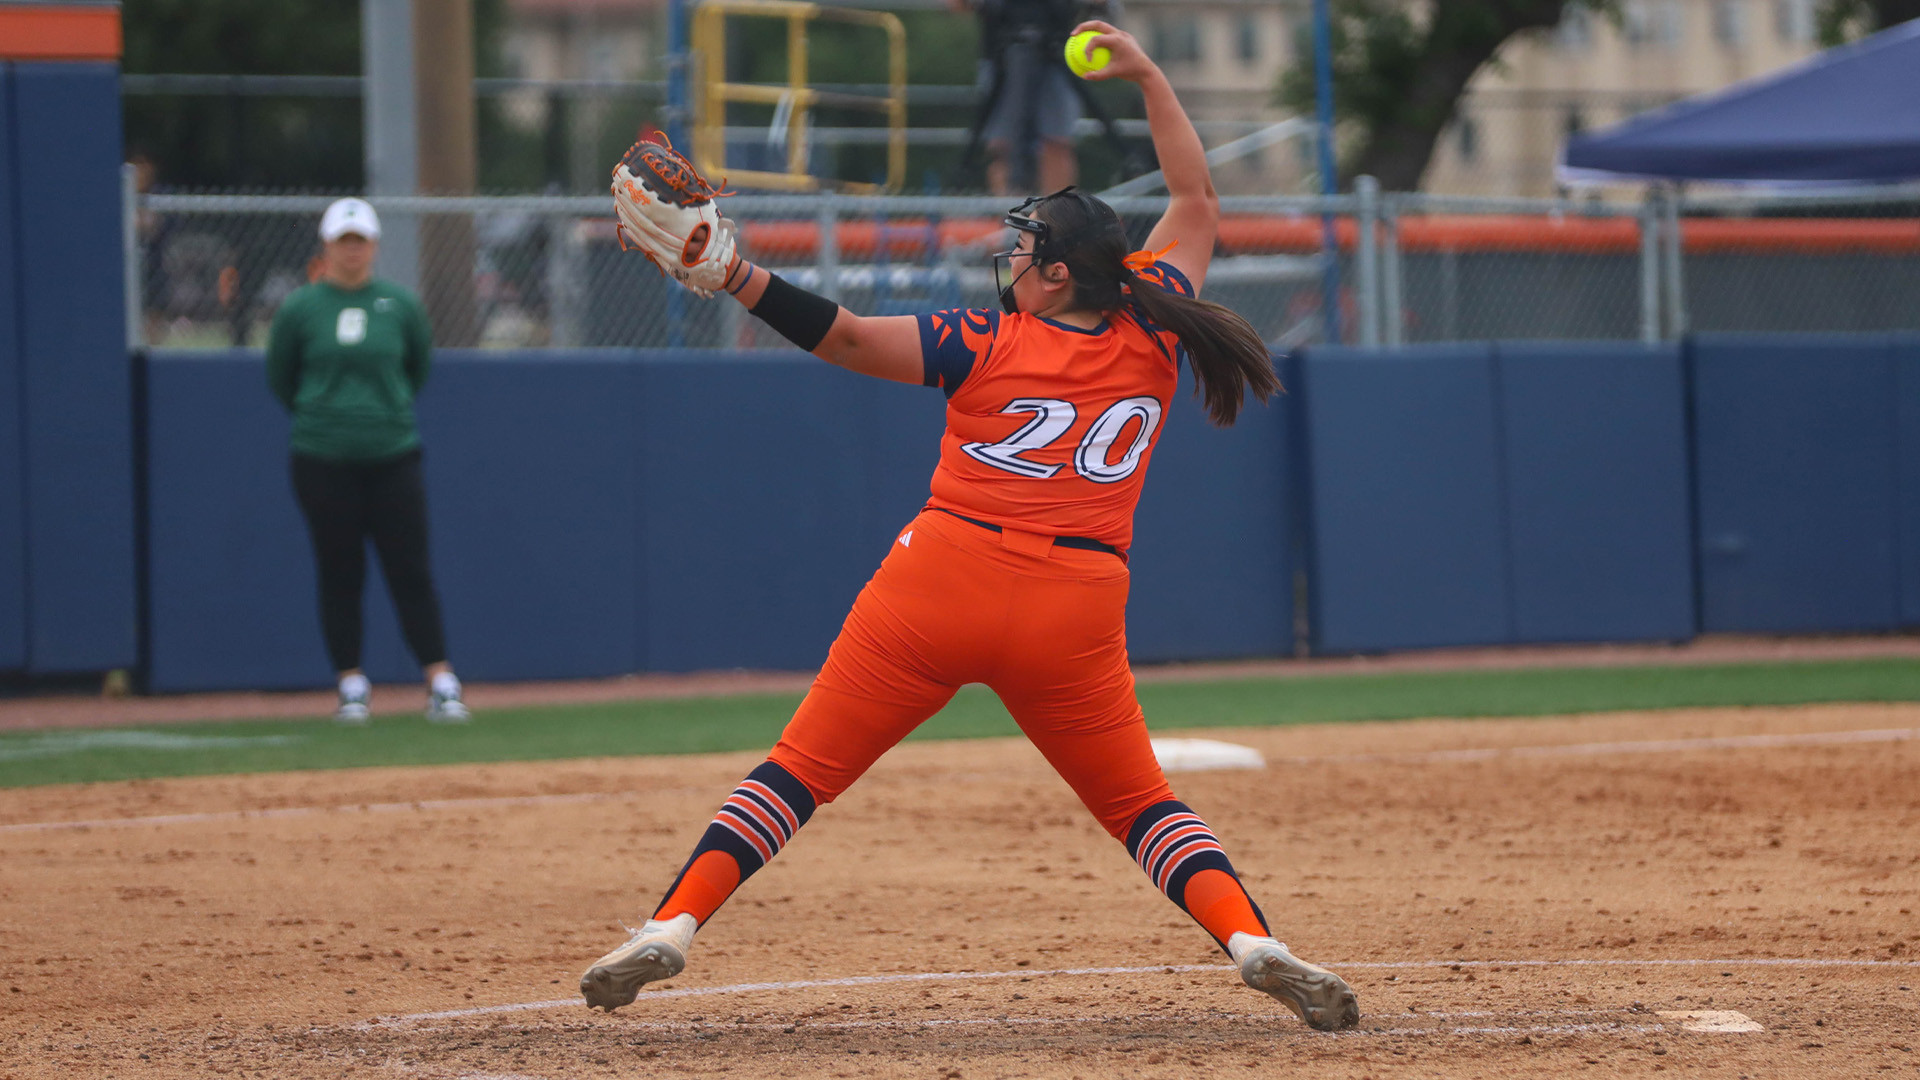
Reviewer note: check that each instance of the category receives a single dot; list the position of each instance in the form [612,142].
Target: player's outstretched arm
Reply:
[665,210]
[1193,209]
[886,347]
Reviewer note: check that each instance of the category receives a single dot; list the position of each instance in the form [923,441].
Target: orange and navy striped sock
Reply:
[1185,861]
[752,826]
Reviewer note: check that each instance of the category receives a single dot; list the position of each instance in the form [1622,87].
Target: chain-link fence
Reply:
[508,272]
[1456,269]
[1818,260]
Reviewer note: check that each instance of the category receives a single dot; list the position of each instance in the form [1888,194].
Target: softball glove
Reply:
[666,211]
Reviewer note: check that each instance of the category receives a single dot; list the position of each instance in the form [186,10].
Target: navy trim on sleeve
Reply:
[952,342]
[1168,277]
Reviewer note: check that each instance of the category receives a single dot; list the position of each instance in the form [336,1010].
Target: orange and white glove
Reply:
[666,211]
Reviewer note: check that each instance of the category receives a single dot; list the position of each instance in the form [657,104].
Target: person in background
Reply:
[1031,101]
[346,355]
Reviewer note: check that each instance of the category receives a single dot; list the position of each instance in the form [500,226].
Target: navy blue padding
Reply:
[532,468]
[755,478]
[534,504]
[1407,534]
[1211,571]
[232,600]
[1597,499]
[76,392]
[1796,468]
[1906,375]
[231,580]
[13,507]
[900,445]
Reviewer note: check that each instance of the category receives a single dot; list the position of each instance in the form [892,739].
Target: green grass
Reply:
[750,723]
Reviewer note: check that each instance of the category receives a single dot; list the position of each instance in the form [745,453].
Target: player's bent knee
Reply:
[823,780]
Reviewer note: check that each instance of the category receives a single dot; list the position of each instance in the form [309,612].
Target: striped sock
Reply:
[1185,861]
[752,826]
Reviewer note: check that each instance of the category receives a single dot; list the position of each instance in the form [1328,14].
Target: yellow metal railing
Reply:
[796,99]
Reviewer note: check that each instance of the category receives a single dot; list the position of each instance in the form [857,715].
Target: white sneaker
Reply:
[656,951]
[1316,995]
[355,693]
[444,705]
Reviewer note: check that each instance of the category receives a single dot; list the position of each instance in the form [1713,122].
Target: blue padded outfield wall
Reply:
[1483,494]
[1408,547]
[596,515]
[1809,482]
[13,474]
[530,477]
[601,513]
[67,588]
[1597,502]
[1212,566]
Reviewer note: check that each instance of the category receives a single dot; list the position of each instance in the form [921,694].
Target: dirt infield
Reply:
[1556,905]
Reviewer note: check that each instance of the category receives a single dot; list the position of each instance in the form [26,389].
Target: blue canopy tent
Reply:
[1850,114]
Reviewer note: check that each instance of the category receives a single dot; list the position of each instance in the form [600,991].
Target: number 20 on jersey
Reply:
[1051,419]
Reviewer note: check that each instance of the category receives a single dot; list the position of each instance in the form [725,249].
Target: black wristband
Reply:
[796,314]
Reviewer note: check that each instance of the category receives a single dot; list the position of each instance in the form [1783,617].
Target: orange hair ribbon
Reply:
[1143,258]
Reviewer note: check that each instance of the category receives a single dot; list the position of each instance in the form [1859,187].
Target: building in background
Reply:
[585,39]
[1226,56]
[1592,72]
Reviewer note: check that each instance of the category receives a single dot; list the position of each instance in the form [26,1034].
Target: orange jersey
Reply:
[1050,428]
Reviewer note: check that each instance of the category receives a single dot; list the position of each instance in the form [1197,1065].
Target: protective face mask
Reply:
[1007,303]
[1019,220]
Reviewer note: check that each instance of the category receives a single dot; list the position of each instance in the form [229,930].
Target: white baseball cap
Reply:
[349,216]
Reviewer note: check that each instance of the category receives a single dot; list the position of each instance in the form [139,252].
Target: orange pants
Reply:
[1043,626]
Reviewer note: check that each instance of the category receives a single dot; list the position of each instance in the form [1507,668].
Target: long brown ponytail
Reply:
[1225,352]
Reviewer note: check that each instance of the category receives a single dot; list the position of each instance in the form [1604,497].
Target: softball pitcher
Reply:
[1015,573]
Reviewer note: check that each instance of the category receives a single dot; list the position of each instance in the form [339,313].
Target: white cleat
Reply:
[353,708]
[1316,995]
[658,950]
[447,708]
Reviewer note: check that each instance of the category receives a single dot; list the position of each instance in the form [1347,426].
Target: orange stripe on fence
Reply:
[1803,235]
[1588,236]
[1467,234]
[59,32]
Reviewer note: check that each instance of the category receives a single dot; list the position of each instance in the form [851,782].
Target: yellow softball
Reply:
[1079,60]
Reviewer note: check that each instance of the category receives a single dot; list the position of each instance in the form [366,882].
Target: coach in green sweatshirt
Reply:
[346,356]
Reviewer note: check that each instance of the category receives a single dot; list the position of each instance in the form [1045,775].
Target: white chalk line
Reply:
[1283,1024]
[1042,1021]
[1756,961]
[1168,969]
[57,743]
[307,811]
[1651,746]
[1663,746]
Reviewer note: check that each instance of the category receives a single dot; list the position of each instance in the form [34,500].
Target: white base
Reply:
[1713,1021]
[1202,755]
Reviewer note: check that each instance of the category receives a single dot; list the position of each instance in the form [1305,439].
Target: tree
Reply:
[231,141]
[1399,70]
[262,141]
[1843,20]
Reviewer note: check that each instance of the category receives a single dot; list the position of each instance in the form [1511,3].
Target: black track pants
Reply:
[347,504]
